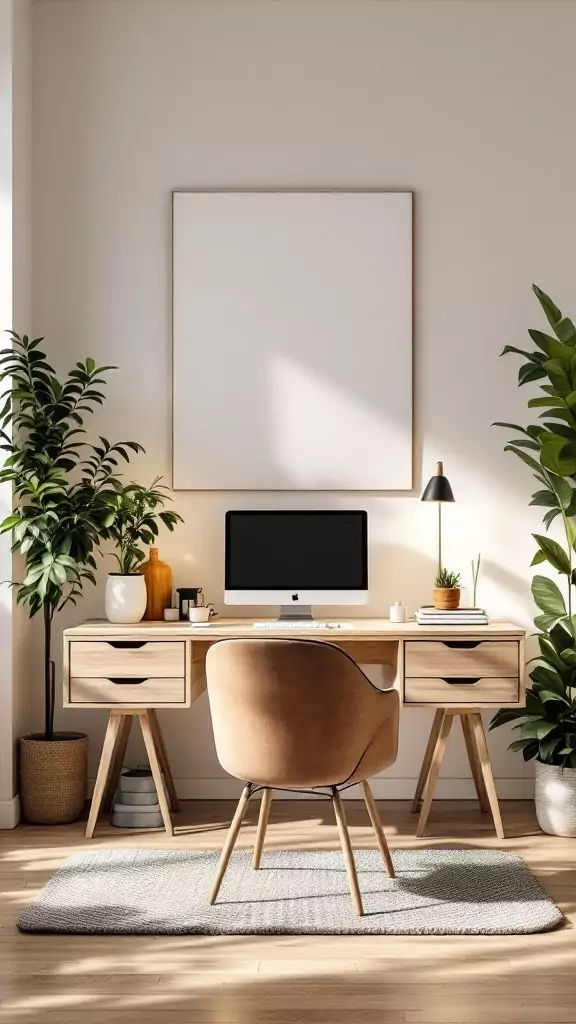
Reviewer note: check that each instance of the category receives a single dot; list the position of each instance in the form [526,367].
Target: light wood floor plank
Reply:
[191,979]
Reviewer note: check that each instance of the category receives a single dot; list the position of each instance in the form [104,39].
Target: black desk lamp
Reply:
[438,489]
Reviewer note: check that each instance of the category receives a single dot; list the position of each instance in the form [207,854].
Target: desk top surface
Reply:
[350,629]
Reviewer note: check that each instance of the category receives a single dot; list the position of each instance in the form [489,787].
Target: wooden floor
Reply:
[289,979]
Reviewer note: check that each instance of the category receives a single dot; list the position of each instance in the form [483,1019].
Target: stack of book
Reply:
[430,616]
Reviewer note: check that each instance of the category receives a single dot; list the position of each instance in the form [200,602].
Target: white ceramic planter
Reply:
[555,797]
[125,597]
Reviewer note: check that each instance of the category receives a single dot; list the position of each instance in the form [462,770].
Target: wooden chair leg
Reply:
[377,826]
[434,772]
[348,854]
[484,756]
[474,759]
[262,825]
[230,841]
[155,769]
[108,748]
[164,762]
[118,761]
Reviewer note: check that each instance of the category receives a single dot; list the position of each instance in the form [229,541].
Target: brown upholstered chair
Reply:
[298,715]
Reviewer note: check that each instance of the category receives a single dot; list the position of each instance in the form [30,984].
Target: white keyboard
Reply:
[297,624]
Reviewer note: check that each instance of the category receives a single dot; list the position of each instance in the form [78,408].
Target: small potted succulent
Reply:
[134,513]
[446,590]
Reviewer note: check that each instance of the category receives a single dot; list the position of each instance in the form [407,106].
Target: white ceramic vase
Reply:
[555,798]
[125,599]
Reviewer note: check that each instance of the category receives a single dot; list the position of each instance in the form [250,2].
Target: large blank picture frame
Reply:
[292,325]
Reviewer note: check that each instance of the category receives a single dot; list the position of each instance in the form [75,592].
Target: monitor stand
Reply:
[290,612]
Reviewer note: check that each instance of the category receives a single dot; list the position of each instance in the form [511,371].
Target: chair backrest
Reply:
[294,713]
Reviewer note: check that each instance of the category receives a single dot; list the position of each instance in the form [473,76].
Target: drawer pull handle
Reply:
[461,681]
[131,645]
[126,680]
[462,645]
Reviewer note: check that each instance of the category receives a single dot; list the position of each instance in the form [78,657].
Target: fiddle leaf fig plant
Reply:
[62,484]
[547,725]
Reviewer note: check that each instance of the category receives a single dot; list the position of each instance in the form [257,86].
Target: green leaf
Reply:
[552,313]
[525,457]
[565,331]
[535,357]
[545,403]
[548,596]
[554,553]
[538,558]
[546,696]
[531,371]
[556,456]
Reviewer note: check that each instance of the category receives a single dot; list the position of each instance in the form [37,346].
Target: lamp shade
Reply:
[438,487]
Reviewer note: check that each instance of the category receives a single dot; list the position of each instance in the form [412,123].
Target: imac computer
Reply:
[296,559]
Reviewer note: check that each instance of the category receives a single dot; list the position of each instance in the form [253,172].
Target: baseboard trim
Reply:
[226,788]
[10,812]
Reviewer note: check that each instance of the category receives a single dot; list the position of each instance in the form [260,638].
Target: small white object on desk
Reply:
[171,615]
[398,612]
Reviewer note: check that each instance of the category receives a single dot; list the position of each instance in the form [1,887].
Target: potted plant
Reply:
[134,513]
[61,485]
[446,594]
[547,725]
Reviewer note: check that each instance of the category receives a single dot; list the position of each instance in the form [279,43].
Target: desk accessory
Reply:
[438,489]
[475,574]
[446,593]
[171,615]
[188,597]
[158,577]
[430,616]
[202,613]
[398,612]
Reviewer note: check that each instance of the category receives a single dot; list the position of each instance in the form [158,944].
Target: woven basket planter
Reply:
[555,797]
[53,777]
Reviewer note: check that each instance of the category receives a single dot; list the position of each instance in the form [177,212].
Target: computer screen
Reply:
[300,551]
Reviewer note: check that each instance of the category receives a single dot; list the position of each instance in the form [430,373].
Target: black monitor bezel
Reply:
[297,512]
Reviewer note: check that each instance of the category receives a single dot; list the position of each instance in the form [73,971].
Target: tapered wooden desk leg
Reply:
[262,826]
[155,769]
[108,748]
[484,756]
[163,758]
[430,746]
[118,761]
[437,758]
[474,759]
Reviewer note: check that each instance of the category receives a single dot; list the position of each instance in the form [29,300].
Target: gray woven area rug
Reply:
[158,892]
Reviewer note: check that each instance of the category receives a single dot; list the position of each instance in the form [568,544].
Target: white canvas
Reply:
[292,325]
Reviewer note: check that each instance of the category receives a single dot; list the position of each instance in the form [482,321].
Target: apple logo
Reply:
[294,597]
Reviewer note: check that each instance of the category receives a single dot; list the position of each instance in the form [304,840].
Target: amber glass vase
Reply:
[158,578]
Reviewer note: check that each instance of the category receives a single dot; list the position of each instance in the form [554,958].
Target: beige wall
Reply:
[470,104]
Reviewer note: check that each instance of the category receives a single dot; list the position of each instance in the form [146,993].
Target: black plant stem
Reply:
[48,677]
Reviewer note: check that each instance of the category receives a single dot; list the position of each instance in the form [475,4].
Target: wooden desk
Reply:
[134,669]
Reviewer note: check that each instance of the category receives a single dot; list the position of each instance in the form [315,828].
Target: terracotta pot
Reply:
[53,777]
[446,598]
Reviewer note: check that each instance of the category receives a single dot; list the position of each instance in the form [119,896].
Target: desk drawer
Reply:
[105,658]
[437,658]
[487,690]
[148,692]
